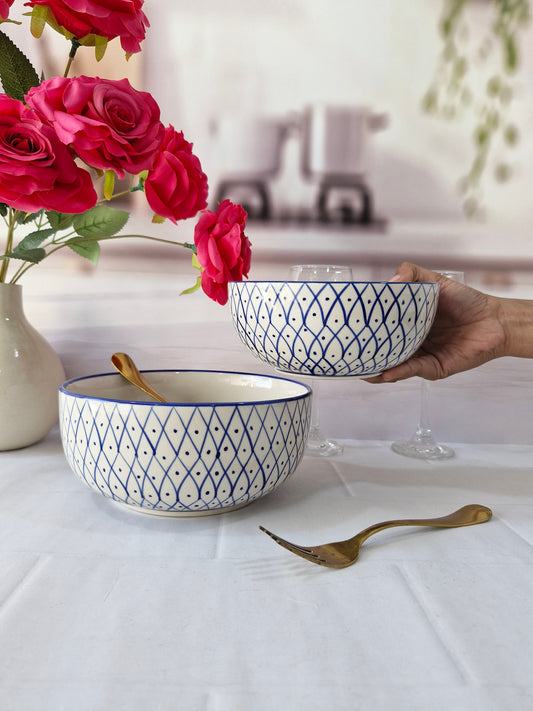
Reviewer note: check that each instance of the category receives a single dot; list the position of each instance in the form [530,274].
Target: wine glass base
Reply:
[423,449]
[319,446]
[327,448]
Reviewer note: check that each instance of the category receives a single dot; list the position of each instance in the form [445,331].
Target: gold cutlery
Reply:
[127,368]
[341,554]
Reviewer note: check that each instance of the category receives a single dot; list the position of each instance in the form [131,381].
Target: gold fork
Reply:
[343,553]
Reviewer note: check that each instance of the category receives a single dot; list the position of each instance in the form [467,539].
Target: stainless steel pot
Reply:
[250,147]
[335,141]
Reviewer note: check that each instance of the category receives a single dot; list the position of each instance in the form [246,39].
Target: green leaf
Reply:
[16,71]
[511,135]
[193,288]
[59,220]
[26,255]
[100,221]
[477,167]
[494,86]
[26,217]
[510,54]
[28,249]
[89,250]
[34,239]
[109,184]
[482,135]
[430,101]
[100,46]
[3,209]
[460,67]
[502,172]
[446,27]
[39,15]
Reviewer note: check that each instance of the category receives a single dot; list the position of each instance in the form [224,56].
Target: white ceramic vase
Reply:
[30,374]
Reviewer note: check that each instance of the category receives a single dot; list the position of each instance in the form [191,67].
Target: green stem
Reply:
[20,271]
[188,245]
[85,240]
[122,193]
[72,54]
[104,201]
[12,220]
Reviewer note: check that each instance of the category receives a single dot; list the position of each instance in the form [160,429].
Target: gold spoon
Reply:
[343,553]
[127,368]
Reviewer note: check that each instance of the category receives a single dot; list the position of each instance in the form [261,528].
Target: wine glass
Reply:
[422,444]
[317,443]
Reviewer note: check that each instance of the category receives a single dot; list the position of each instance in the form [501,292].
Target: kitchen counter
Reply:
[492,256]
[456,245]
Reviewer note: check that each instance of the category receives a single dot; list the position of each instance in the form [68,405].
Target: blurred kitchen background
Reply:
[220,70]
[284,97]
[310,112]
[212,64]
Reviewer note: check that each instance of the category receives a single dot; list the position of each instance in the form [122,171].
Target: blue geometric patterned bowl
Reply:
[325,329]
[222,441]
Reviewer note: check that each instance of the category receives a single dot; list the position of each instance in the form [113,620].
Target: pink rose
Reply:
[223,250]
[108,123]
[4,8]
[176,187]
[106,18]
[36,170]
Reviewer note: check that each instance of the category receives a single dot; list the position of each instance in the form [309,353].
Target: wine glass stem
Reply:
[315,410]
[423,425]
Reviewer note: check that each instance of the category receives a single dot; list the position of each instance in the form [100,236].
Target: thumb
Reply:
[411,272]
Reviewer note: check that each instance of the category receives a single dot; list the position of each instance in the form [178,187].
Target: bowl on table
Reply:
[223,440]
[333,329]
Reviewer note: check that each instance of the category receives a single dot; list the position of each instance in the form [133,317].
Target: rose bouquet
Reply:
[60,136]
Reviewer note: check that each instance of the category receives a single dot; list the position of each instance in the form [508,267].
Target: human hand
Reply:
[467,330]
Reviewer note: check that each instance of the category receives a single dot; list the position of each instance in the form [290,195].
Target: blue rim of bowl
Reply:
[63,389]
[246,282]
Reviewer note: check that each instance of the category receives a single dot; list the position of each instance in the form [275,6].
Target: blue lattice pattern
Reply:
[183,458]
[333,328]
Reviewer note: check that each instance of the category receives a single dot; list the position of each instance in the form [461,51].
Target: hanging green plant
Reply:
[479,76]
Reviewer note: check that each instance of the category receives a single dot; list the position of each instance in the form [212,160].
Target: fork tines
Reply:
[307,553]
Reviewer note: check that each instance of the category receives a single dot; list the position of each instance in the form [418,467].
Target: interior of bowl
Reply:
[189,387]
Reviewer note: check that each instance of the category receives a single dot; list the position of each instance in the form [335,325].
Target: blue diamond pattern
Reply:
[332,329]
[183,458]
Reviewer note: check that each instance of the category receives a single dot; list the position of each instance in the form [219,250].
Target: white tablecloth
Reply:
[102,608]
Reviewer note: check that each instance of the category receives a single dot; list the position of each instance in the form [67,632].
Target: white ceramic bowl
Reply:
[341,329]
[222,441]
